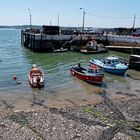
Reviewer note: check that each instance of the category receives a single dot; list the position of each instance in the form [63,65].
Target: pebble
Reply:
[65,124]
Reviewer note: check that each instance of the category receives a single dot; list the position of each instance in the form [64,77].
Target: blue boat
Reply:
[111,64]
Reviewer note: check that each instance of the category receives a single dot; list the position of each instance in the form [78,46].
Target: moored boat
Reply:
[92,47]
[92,75]
[36,78]
[111,64]
[60,50]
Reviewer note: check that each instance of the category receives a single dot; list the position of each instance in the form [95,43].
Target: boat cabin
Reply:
[93,69]
[111,60]
[91,43]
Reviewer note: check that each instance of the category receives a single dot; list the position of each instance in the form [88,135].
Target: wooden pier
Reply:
[125,49]
[47,40]
[42,42]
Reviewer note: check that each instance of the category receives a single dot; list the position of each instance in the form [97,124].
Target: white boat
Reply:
[60,50]
[36,78]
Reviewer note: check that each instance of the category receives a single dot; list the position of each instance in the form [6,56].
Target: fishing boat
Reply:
[92,47]
[134,62]
[36,78]
[92,74]
[111,64]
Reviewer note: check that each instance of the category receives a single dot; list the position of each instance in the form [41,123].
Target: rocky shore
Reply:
[108,120]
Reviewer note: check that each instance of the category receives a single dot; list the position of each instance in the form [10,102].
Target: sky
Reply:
[98,13]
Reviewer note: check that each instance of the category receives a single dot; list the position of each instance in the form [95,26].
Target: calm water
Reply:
[17,60]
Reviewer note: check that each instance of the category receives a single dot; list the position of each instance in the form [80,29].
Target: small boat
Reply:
[92,47]
[36,78]
[60,50]
[111,64]
[134,62]
[92,74]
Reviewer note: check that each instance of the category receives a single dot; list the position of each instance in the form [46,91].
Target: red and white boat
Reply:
[36,78]
[93,74]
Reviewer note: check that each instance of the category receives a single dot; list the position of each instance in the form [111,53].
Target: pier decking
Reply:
[46,43]
[125,49]
[43,42]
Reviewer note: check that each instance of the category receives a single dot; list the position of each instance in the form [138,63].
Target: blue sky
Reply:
[99,13]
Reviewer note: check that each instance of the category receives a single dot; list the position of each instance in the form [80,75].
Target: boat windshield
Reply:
[108,61]
[113,61]
[94,71]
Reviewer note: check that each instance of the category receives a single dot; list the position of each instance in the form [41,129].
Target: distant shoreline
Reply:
[19,26]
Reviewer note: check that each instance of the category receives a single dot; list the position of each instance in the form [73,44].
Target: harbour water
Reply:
[60,87]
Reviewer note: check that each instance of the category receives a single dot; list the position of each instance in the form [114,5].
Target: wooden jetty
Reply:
[125,49]
[43,42]
[50,38]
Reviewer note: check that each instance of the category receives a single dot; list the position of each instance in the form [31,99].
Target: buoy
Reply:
[14,77]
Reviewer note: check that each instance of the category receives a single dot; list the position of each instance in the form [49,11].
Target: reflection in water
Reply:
[38,99]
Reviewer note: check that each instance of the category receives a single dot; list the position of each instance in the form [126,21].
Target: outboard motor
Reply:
[38,80]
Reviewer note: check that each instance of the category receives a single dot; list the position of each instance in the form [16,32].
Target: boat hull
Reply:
[112,70]
[33,80]
[60,50]
[90,79]
[92,52]
[115,71]
[36,85]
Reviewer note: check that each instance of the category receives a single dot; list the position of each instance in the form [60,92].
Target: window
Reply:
[108,61]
